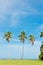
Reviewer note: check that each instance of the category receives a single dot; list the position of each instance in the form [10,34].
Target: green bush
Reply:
[41,50]
[41,56]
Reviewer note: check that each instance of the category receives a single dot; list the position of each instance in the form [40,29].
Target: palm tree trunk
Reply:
[22,51]
[32,42]
[8,51]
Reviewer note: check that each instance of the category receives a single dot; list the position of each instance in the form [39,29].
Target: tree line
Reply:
[22,37]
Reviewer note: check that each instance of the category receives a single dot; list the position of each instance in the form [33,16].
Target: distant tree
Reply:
[41,50]
[22,38]
[32,39]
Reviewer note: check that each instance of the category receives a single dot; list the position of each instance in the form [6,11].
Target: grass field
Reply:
[21,62]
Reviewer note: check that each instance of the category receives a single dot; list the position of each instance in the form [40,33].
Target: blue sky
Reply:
[16,16]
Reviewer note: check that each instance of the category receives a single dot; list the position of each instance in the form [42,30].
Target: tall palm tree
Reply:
[8,36]
[22,38]
[32,39]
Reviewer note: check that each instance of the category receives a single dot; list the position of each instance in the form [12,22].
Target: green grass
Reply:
[21,62]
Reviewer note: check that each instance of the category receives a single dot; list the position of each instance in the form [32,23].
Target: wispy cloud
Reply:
[17,40]
[41,26]
[15,9]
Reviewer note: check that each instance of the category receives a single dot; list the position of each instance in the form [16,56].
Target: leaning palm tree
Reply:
[32,39]
[8,36]
[22,38]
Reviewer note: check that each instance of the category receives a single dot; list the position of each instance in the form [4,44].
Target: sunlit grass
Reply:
[21,62]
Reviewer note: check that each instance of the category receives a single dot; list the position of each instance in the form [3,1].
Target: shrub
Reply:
[41,50]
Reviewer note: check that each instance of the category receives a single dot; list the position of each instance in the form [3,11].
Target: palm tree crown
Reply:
[32,39]
[8,36]
[22,37]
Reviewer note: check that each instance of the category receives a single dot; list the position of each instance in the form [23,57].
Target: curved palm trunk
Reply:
[22,51]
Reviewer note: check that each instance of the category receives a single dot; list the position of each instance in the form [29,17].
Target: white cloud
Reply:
[37,43]
[17,40]
[13,45]
[3,8]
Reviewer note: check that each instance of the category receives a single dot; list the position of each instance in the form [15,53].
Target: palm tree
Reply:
[41,34]
[32,39]
[22,38]
[8,36]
